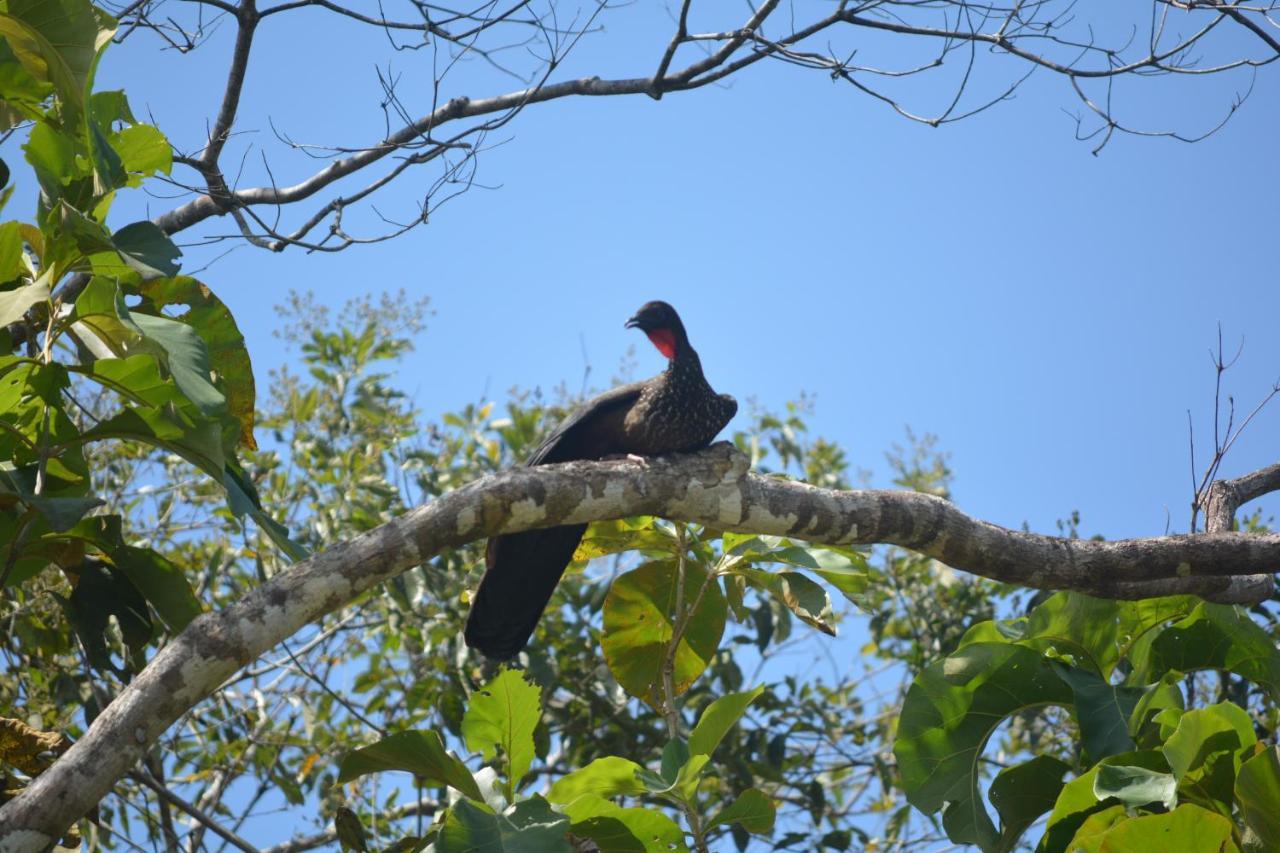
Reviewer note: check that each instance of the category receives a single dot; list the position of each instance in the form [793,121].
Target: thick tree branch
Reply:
[1227,496]
[711,487]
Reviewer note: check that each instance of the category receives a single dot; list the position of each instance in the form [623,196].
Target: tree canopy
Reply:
[194,571]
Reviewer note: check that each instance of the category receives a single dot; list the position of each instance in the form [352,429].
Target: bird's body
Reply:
[675,411]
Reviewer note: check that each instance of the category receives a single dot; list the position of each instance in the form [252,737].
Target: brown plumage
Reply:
[675,411]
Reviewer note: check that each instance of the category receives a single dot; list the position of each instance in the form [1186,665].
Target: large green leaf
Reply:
[147,249]
[502,716]
[1213,636]
[188,360]
[718,718]
[1202,732]
[624,534]
[1257,791]
[847,571]
[100,594]
[611,776]
[527,827]
[137,378]
[143,149]
[1186,829]
[1098,632]
[228,355]
[52,156]
[1135,786]
[1079,800]
[1102,710]
[797,593]
[15,303]
[12,263]
[199,443]
[1023,792]
[638,627]
[620,830]
[161,582]
[950,711]
[57,41]
[420,753]
[102,322]
[753,810]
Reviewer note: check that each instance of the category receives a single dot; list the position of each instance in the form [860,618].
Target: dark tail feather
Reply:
[523,570]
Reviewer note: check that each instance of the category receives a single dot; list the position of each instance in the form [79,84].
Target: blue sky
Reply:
[1046,312]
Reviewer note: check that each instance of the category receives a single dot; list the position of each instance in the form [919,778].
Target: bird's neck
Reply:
[686,362]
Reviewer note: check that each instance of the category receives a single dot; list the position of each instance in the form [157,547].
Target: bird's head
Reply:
[662,324]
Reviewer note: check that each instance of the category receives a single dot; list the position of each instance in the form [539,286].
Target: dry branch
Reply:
[712,487]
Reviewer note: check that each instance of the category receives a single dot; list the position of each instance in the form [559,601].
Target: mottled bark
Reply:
[711,487]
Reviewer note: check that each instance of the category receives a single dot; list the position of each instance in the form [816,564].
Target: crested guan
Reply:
[674,411]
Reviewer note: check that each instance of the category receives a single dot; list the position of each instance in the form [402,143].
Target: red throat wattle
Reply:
[664,340]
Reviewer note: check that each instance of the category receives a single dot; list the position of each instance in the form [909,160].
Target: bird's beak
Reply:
[633,323]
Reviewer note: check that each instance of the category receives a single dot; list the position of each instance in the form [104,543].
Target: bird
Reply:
[676,411]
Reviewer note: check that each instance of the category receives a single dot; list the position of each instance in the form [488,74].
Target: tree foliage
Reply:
[681,694]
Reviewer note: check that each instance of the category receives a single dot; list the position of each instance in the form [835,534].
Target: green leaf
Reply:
[102,321]
[1022,793]
[1213,636]
[718,718]
[847,571]
[617,829]
[420,753]
[502,715]
[101,593]
[638,627]
[147,249]
[57,41]
[1135,786]
[53,158]
[951,709]
[1186,829]
[136,378]
[12,263]
[1202,732]
[611,776]
[1101,631]
[228,354]
[15,303]
[21,94]
[1078,802]
[162,583]
[753,810]
[143,149]
[627,534]
[674,756]
[188,360]
[198,443]
[529,827]
[108,171]
[1102,710]
[797,593]
[243,499]
[62,513]
[1257,791]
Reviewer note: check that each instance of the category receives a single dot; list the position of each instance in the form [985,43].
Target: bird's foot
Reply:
[642,461]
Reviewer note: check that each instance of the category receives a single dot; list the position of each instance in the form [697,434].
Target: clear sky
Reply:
[1046,312]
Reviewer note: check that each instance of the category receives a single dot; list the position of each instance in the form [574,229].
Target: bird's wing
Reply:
[558,447]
